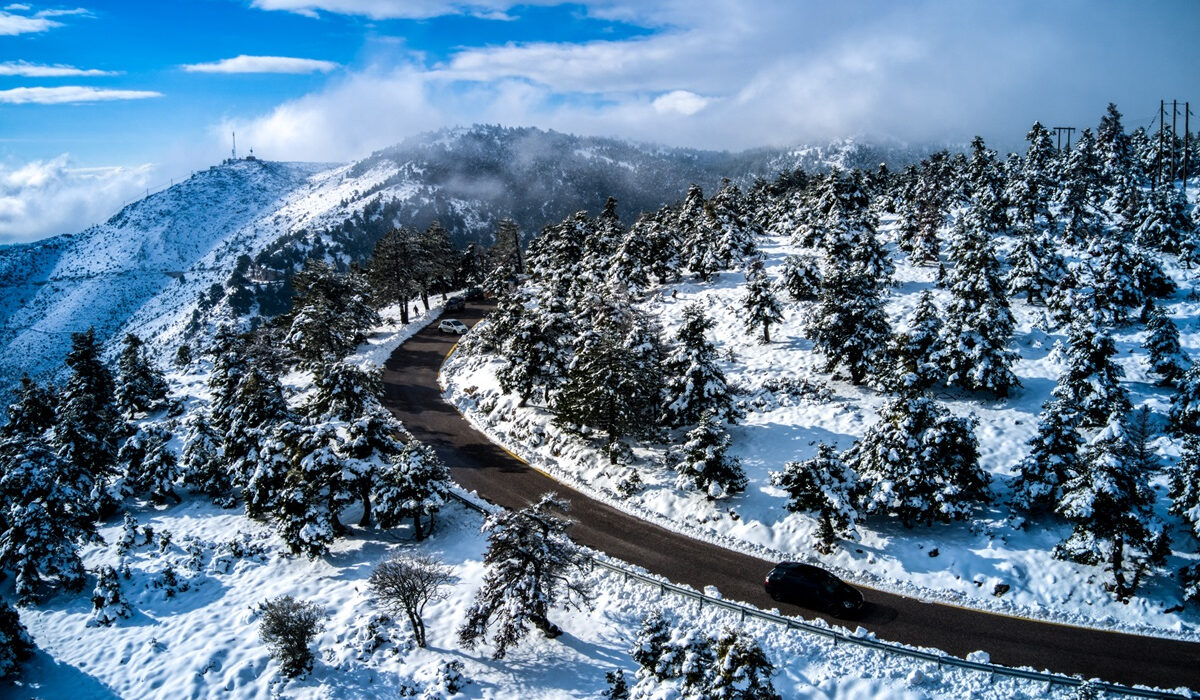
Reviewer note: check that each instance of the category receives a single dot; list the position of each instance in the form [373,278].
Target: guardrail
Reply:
[748,611]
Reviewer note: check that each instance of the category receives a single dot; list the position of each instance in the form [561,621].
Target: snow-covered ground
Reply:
[961,563]
[202,641]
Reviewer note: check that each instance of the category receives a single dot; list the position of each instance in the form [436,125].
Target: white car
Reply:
[452,325]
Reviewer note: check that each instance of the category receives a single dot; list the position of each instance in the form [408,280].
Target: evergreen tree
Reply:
[86,424]
[1036,266]
[203,464]
[922,214]
[1108,505]
[46,514]
[651,646]
[414,485]
[602,244]
[823,484]
[256,407]
[1090,383]
[614,381]
[1164,221]
[140,385]
[849,325]
[704,463]
[1053,459]
[1112,272]
[979,324]
[150,467]
[914,354]
[16,645]
[331,314]
[31,413]
[800,277]
[735,231]
[529,559]
[108,603]
[371,439]
[1184,414]
[1079,198]
[694,382]
[392,272]
[698,247]
[984,187]
[1031,191]
[557,257]
[533,336]
[314,489]
[919,464]
[761,306]
[342,391]
[1185,484]
[1115,155]
[742,670]
[1167,358]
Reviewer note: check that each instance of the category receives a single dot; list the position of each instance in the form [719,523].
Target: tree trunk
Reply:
[1115,560]
[404,311]
[364,491]
[766,333]
[417,531]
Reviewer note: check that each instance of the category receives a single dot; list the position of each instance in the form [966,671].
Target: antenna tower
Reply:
[234,156]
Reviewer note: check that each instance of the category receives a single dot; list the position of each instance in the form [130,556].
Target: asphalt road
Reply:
[412,393]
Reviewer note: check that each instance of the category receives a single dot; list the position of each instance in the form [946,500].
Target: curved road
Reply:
[412,393]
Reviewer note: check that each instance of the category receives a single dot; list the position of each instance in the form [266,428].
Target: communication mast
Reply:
[234,152]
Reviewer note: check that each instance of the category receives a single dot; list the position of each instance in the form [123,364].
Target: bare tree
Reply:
[405,585]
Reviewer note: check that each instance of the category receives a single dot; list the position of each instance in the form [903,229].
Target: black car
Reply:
[474,293]
[812,587]
[455,304]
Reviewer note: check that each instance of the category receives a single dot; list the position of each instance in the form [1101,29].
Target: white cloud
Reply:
[58,70]
[12,25]
[263,64]
[44,198]
[70,94]
[680,102]
[398,9]
[18,7]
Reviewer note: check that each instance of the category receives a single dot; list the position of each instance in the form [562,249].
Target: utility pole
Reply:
[1174,135]
[1060,130]
[1162,104]
[1187,143]
[233,154]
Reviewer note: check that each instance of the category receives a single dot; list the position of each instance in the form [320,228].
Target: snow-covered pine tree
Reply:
[141,386]
[255,408]
[601,245]
[1090,383]
[826,486]
[693,381]
[529,563]
[742,670]
[614,381]
[914,354]
[532,334]
[32,411]
[918,464]
[202,463]
[556,257]
[1036,267]
[1141,428]
[330,315]
[800,277]
[922,214]
[650,646]
[342,391]
[86,424]
[736,233]
[1115,155]
[414,484]
[150,468]
[1078,197]
[1167,358]
[1031,192]
[108,603]
[1052,460]
[1185,484]
[761,306]
[698,245]
[849,324]
[1108,505]
[978,322]
[984,187]
[1164,222]
[315,489]
[1112,273]
[1184,414]
[392,271]
[45,515]
[704,463]
[16,646]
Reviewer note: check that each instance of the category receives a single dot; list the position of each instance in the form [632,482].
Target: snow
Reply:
[996,547]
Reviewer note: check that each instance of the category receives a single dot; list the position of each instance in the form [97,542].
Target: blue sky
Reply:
[101,100]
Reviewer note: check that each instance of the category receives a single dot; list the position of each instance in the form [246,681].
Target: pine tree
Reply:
[342,391]
[742,670]
[1112,272]
[140,385]
[534,341]
[46,514]
[1164,224]
[1108,505]
[529,560]
[1079,198]
[698,246]
[650,646]
[613,383]
[330,314]
[392,272]
[415,484]
[823,484]
[735,231]
[979,324]
[86,424]
[557,257]
[314,489]
[984,187]
[16,645]
[1184,414]
[1090,383]
[108,603]
[1185,484]
[1053,459]
[694,382]
[919,464]
[914,354]
[203,464]
[255,408]
[800,277]
[31,413]
[704,463]
[1031,191]
[761,306]
[150,467]
[1115,154]
[1036,266]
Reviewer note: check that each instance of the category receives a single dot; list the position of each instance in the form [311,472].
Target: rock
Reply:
[1000,589]
[933,552]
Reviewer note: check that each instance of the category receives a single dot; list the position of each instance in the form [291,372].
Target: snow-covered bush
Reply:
[287,626]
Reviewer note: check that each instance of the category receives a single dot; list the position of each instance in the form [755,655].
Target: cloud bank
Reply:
[70,94]
[263,64]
